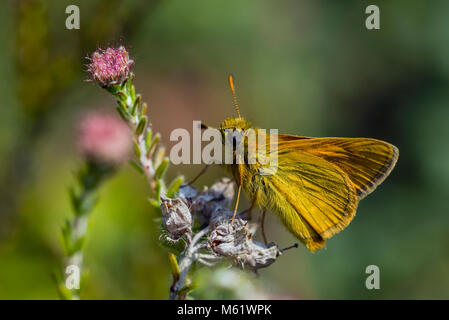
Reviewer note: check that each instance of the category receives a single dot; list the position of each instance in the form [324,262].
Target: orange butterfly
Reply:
[318,183]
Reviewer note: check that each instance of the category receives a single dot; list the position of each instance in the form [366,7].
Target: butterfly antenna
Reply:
[234,95]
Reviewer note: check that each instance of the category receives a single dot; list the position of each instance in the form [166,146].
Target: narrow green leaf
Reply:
[121,96]
[136,104]
[78,244]
[174,267]
[66,234]
[115,89]
[187,289]
[153,144]
[74,199]
[136,150]
[136,166]
[155,204]
[122,113]
[141,126]
[85,275]
[143,111]
[127,85]
[64,293]
[158,190]
[160,171]
[174,187]
[148,138]
[159,156]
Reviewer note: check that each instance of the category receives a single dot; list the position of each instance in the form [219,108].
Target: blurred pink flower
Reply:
[104,137]
[111,66]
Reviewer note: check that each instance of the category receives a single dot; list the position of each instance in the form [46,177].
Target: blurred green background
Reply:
[305,67]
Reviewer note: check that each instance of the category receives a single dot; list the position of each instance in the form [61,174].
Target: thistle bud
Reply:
[176,217]
[110,67]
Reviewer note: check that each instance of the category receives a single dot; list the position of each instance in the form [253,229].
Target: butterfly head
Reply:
[235,124]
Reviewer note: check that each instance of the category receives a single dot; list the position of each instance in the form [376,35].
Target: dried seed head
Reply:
[188,192]
[176,217]
[110,67]
[234,240]
[223,190]
[219,195]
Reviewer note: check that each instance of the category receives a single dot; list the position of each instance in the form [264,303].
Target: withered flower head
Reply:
[219,195]
[176,217]
[234,239]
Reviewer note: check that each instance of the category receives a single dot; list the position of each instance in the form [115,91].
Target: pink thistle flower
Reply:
[104,138]
[110,67]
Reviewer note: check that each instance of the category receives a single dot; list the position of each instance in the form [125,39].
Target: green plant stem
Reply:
[74,233]
[152,163]
[186,260]
[150,155]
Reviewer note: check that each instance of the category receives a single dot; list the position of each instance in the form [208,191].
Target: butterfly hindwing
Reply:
[313,198]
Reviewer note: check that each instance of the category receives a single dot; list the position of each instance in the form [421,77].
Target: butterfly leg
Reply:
[262,227]
[237,202]
[251,208]
[247,211]
[198,175]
